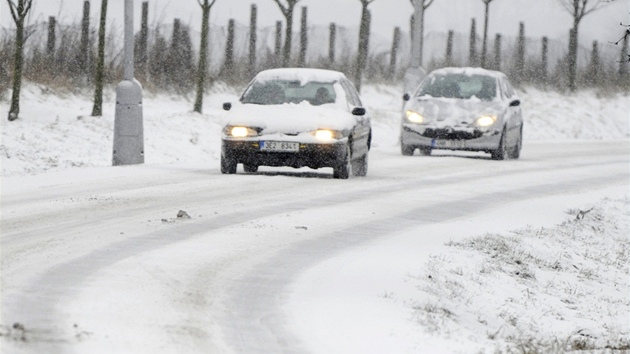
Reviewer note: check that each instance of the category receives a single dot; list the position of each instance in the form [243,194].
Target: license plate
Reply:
[279,146]
[448,144]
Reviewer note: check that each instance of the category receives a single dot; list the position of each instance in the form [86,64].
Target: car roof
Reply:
[468,71]
[300,74]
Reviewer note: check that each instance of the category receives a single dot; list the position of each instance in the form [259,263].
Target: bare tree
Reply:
[578,9]
[484,47]
[625,56]
[417,30]
[97,110]
[287,6]
[203,52]
[19,12]
[82,56]
[364,41]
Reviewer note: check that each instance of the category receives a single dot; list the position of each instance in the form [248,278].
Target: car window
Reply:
[351,93]
[509,90]
[459,86]
[286,91]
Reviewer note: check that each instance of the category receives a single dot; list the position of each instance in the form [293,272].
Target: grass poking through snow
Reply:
[536,290]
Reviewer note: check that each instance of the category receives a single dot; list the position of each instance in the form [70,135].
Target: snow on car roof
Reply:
[303,75]
[468,71]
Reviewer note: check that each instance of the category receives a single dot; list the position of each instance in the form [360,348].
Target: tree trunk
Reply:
[417,31]
[252,41]
[364,40]
[625,58]
[203,57]
[278,45]
[52,39]
[449,49]
[594,70]
[497,52]
[545,60]
[14,111]
[472,55]
[288,37]
[394,53]
[97,110]
[484,46]
[85,39]
[174,63]
[303,37]
[228,64]
[572,60]
[519,67]
[18,13]
[332,39]
[142,46]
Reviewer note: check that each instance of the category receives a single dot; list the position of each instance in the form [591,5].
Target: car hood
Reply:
[290,118]
[451,112]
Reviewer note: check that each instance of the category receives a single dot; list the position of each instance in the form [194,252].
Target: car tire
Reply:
[228,165]
[343,167]
[360,166]
[501,153]
[406,150]
[424,151]
[516,152]
[249,168]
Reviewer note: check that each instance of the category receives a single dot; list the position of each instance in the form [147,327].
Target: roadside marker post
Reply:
[128,126]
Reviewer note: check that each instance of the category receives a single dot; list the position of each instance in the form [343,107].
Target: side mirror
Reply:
[227,106]
[358,111]
[406,97]
[515,103]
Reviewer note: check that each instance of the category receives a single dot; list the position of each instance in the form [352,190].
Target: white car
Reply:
[299,118]
[469,109]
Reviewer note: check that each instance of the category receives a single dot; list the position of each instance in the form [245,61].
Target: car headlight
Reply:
[240,131]
[486,120]
[327,134]
[414,116]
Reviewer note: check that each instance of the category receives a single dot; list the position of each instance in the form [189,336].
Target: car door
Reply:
[361,133]
[513,114]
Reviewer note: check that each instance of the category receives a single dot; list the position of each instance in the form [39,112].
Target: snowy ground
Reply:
[420,262]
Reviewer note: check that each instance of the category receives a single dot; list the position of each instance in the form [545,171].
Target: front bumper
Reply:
[309,155]
[422,136]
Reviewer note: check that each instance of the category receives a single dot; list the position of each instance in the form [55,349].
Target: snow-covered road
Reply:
[96,260]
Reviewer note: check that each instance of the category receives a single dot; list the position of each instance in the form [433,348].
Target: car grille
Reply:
[450,134]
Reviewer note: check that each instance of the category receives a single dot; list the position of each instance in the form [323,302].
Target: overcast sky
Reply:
[541,17]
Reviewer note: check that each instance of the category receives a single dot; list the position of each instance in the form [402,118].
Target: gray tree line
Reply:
[167,56]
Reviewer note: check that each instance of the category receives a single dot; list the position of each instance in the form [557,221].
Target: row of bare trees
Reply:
[172,63]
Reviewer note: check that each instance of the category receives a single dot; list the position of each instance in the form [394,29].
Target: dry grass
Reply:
[537,290]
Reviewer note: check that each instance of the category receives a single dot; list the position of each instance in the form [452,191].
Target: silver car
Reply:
[470,109]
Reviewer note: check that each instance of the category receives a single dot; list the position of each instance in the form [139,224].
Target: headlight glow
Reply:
[324,134]
[486,121]
[327,134]
[414,116]
[240,132]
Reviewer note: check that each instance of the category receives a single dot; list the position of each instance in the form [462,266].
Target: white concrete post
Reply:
[128,126]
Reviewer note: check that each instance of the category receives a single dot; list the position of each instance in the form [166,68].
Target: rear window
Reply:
[283,91]
[459,86]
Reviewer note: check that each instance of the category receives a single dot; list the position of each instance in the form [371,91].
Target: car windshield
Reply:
[461,86]
[286,91]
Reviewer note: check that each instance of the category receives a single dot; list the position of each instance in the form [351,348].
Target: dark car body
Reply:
[298,118]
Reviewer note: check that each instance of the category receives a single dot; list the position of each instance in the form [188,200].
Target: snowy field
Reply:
[545,270]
